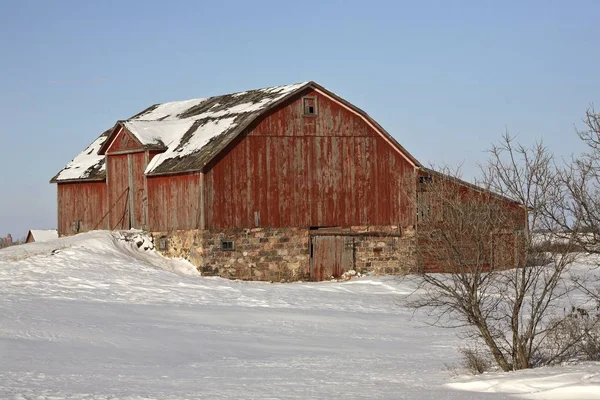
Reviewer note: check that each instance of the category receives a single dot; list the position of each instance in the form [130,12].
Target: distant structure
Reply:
[6,241]
[36,235]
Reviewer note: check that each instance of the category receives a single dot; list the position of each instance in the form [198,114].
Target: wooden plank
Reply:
[331,256]
[117,187]
[131,193]
[84,202]
[202,224]
[173,202]
[145,194]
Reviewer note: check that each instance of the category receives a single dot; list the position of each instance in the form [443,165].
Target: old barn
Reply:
[281,183]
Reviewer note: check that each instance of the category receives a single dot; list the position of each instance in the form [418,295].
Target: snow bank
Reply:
[101,315]
[576,382]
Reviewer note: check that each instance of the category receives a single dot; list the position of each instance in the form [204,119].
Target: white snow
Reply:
[164,125]
[44,235]
[95,317]
[169,110]
[170,129]
[80,166]
[577,382]
[199,139]
[155,132]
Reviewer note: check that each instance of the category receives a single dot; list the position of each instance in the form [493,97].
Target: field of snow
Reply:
[94,317]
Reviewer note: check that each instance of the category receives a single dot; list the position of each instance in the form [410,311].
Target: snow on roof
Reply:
[43,235]
[161,133]
[190,131]
[185,128]
[88,165]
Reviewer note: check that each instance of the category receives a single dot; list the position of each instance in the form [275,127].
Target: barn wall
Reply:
[500,242]
[84,202]
[173,202]
[332,169]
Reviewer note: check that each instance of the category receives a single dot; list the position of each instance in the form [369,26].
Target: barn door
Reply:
[330,256]
[126,190]
[136,166]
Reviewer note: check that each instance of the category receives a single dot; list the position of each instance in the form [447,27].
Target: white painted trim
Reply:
[382,134]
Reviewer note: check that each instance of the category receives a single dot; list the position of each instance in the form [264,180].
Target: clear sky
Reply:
[445,78]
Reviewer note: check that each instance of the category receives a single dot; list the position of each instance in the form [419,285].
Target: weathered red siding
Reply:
[118,196]
[125,197]
[173,202]
[138,165]
[124,142]
[502,241]
[84,202]
[332,169]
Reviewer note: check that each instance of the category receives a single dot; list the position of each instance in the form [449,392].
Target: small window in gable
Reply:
[310,105]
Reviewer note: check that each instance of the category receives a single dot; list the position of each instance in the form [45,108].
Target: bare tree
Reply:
[500,283]
[578,215]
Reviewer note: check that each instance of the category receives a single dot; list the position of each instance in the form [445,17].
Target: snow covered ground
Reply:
[94,317]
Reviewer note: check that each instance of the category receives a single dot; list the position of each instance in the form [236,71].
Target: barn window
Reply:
[226,245]
[162,243]
[310,105]
[425,179]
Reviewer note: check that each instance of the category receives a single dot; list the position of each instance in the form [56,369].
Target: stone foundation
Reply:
[380,255]
[283,254]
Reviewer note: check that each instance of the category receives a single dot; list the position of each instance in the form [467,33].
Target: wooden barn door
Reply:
[136,165]
[118,191]
[126,191]
[330,256]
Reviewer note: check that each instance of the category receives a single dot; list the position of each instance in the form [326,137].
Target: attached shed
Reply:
[41,235]
[287,182]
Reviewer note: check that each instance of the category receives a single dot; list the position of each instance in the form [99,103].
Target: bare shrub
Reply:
[498,284]
[473,360]
[574,337]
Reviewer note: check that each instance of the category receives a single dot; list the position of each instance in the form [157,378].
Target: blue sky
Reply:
[444,78]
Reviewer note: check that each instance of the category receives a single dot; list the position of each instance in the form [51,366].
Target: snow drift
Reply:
[102,316]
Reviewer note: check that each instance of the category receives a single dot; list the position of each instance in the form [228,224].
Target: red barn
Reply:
[280,183]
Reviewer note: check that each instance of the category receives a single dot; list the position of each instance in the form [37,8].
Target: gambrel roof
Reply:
[190,133]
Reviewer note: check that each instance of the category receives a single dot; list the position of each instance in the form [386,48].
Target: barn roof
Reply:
[445,176]
[87,166]
[190,133]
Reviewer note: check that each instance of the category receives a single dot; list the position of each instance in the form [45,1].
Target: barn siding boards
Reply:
[82,203]
[174,202]
[332,169]
[124,142]
[138,164]
[512,218]
[118,191]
